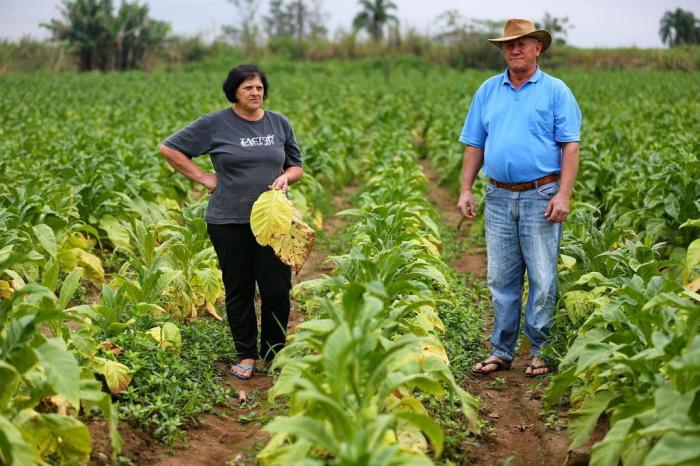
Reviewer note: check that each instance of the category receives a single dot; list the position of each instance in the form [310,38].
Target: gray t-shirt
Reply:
[247,157]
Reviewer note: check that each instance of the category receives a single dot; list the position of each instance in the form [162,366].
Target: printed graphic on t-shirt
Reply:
[268,140]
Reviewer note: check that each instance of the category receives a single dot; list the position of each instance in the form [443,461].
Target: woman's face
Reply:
[249,94]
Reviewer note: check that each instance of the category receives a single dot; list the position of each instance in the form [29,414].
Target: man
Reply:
[523,127]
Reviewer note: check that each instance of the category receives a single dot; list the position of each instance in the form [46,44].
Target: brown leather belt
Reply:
[525,186]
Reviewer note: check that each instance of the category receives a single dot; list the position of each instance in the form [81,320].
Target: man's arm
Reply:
[558,208]
[473,160]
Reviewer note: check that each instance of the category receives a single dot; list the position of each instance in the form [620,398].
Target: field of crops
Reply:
[110,295]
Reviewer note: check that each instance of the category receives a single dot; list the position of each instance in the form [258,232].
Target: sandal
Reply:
[533,367]
[500,366]
[243,367]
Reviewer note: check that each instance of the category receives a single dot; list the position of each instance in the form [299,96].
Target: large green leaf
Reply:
[675,448]
[305,427]
[10,381]
[691,223]
[117,233]
[693,255]
[49,276]
[91,391]
[62,437]
[278,453]
[594,354]
[16,451]
[69,287]
[61,369]
[608,451]
[583,420]
[46,238]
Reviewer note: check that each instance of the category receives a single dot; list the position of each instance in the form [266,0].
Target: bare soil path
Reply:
[232,433]
[511,404]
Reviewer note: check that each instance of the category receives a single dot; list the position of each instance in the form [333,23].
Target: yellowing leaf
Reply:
[168,336]
[116,374]
[427,318]
[318,219]
[568,261]
[74,257]
[410,437]
[93,267]
[61,403]
[293,249]
[436,350]
[271,216]
[212,311]
[430,246]
[111,347]
[78,240]
[5,289]
[693,286]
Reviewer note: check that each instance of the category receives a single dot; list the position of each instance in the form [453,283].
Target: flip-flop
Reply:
[500,366]
[534,368]
[244,368]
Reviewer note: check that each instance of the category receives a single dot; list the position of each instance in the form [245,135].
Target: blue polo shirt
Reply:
[521,130]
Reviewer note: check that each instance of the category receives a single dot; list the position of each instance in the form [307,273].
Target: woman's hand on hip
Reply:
[209,181]
[281,182]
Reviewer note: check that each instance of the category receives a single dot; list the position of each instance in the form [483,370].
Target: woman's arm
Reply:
[182,164]
[290,176]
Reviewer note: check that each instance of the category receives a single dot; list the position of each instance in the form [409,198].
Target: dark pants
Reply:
[244,262]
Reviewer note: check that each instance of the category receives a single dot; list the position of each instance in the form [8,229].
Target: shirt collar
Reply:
[533,79]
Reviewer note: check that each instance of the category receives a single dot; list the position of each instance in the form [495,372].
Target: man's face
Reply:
[521,54]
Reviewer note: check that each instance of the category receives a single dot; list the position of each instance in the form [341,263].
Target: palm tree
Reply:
[679,27]
[374,16]
[86,28]
[101,41]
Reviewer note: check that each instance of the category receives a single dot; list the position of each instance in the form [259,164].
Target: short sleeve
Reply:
[194,139]
[292,156]
[567,117]
[473,131]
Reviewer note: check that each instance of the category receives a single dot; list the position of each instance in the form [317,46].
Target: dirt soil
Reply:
[511,403]
[232,433]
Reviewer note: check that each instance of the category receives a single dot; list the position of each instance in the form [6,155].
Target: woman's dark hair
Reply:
[238,75]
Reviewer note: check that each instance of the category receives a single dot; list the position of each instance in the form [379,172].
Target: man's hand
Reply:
[558,208]
[466,204]
[282,182]
[209,181]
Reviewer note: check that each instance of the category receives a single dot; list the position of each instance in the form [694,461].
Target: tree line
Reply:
[102,38]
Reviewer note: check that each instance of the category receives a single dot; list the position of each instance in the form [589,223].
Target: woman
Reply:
[252,150]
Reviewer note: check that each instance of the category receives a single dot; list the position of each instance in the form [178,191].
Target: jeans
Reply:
[244,262]
[520,238]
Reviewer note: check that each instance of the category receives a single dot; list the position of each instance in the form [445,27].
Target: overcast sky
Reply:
[596,23]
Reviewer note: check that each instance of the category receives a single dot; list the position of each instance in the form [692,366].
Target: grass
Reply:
[169,390]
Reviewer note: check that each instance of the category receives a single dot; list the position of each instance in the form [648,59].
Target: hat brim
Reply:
[540,34]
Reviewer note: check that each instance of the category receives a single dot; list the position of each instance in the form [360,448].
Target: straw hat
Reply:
[516,28]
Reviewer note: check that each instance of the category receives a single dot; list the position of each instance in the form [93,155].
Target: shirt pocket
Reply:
[542,122]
